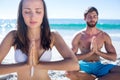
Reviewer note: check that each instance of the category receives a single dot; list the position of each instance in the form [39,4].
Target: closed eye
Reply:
[38,12]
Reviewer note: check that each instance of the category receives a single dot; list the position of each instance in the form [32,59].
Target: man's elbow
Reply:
[114,58]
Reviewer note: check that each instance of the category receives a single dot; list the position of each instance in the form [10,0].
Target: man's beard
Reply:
[91,25]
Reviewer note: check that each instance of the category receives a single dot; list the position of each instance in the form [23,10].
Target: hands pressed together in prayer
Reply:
[94,45]
[33,56]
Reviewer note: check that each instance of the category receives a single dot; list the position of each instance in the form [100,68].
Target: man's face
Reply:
[91,19]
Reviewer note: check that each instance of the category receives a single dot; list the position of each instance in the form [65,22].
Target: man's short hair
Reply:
[90,9]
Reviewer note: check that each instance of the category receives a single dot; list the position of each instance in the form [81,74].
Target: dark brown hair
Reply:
[21,39]
[90,9]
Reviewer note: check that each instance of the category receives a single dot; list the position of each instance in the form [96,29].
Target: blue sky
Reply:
[108,9]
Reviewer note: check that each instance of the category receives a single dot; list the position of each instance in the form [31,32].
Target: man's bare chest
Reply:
[85,42]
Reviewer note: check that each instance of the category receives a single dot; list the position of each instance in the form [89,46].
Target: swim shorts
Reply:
[96,68]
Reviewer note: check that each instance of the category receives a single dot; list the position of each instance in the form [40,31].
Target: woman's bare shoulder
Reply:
[12,33]
[55,34]
[10,36]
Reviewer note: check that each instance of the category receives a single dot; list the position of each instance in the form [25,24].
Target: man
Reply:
[90,41]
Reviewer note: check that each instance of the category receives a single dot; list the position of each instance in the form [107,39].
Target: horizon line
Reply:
[63,18]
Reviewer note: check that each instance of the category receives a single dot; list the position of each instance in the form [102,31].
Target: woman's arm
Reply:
[69,61]
[10,68]
[5,46]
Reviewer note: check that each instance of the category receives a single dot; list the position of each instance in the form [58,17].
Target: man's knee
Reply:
[115,69]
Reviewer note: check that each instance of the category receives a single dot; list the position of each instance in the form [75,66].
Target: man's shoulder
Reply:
[79,33]
[104,33]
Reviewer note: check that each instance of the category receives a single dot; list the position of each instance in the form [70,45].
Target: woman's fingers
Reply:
[30,55]
[33,53]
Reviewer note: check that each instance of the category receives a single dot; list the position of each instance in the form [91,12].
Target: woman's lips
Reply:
[33,22]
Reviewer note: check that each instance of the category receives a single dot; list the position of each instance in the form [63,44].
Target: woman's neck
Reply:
[34,34]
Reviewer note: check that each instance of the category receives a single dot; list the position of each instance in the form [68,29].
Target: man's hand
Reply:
[94,44]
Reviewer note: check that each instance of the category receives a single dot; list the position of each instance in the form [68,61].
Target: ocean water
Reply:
[67,28]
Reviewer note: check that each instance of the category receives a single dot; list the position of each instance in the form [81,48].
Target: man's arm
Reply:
[110,50]
[75,47]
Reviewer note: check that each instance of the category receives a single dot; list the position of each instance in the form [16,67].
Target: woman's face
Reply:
[33,12]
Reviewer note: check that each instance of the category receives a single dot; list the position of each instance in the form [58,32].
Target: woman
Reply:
[33,42]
